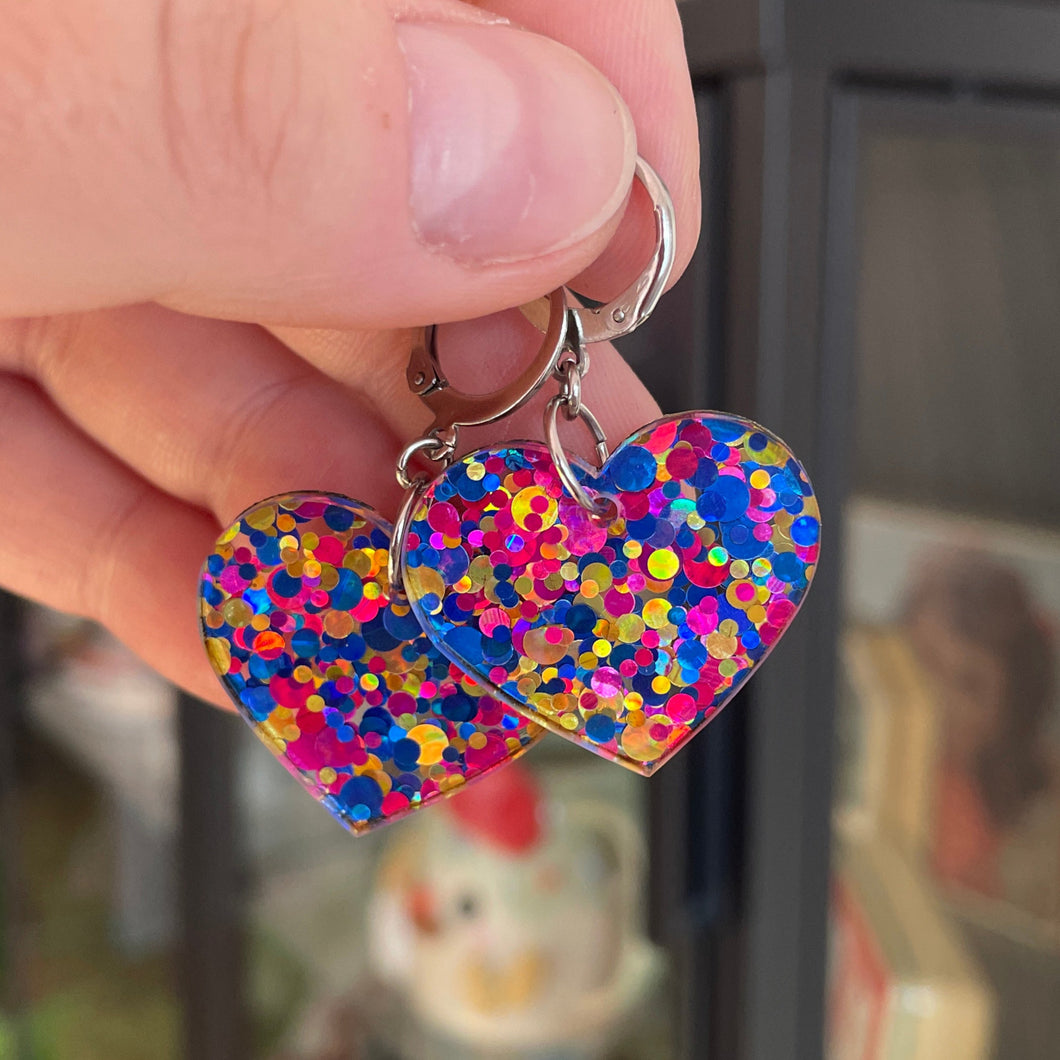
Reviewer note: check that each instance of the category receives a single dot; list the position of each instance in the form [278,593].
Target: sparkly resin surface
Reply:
[335,678]
[628,633]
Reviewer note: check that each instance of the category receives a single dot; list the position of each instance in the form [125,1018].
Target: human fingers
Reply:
[217,414]
[639,46]
[86,534]
[320,162]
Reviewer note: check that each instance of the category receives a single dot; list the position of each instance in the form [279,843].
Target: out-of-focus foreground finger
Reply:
[216,413]
[86,534]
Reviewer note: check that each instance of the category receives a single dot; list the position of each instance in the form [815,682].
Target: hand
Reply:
[220,219]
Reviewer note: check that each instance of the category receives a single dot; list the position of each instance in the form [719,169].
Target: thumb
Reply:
[319,162]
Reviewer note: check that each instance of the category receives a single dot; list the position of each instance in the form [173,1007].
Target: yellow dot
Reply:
[220,654]
[569,722]
[632,549]
[302,674]
[534,501]
[310,540]
[728,667]
[261,518]
[636,718]
[633,701]
[590,590]
[328,775]
[477,740]
[259,622]
[663,564]
[236,612]
[656,612]
[588,660]
[738,568]
[759,479]
[315,703]
[761,567]
[569,571]
[720,646]
[629,628]
[602,648]
[285,523]
[369,682]
[599,573]
[728,627]
[757,614]
[432,743]
[661,685]
[311,569]
[475,471]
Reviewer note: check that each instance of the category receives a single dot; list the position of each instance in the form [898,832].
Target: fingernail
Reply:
[518,146]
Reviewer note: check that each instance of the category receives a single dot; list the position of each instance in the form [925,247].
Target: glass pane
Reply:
[89,857]
[946,911]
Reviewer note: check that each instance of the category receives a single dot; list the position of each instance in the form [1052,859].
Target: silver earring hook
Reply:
[634,305]
[454,408]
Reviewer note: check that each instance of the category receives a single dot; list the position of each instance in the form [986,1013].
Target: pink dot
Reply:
[394,802]
[681,708]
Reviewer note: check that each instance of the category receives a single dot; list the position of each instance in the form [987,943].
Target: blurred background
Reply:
[860,858]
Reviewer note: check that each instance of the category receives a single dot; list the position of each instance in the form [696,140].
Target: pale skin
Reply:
[220,220]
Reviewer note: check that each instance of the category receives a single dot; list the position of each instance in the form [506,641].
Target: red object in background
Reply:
[503,810]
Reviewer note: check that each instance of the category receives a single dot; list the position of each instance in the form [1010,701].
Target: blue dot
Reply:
[459,707]
[725,501]
[362,791]
[338,518]
[406,753]
[805,530]
[633,468]
[600,728]
[284,585]
[706,474]
[348,591]
[258,701]
[787,567]
[305,643]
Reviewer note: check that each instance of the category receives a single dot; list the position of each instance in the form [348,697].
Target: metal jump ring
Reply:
[414,491]
[559,457]
[571,390]
[437,449]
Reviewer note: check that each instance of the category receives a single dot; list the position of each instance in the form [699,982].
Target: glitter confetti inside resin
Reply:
[336,678]
[628,632]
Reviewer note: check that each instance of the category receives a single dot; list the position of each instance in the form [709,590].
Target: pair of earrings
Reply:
[521,589]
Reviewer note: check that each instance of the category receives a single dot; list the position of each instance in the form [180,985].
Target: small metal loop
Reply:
[438,450]
[414,491]
[633,306]
[559,456]
[453,408]
[570,390]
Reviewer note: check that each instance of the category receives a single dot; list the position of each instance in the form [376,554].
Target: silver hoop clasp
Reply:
[454,408]
[634,305]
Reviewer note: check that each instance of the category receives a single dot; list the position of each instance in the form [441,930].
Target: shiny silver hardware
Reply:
[454,408]
[634,305]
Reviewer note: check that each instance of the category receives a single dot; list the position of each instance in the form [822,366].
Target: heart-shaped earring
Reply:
[626,625]
[334,673]
[622,606]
